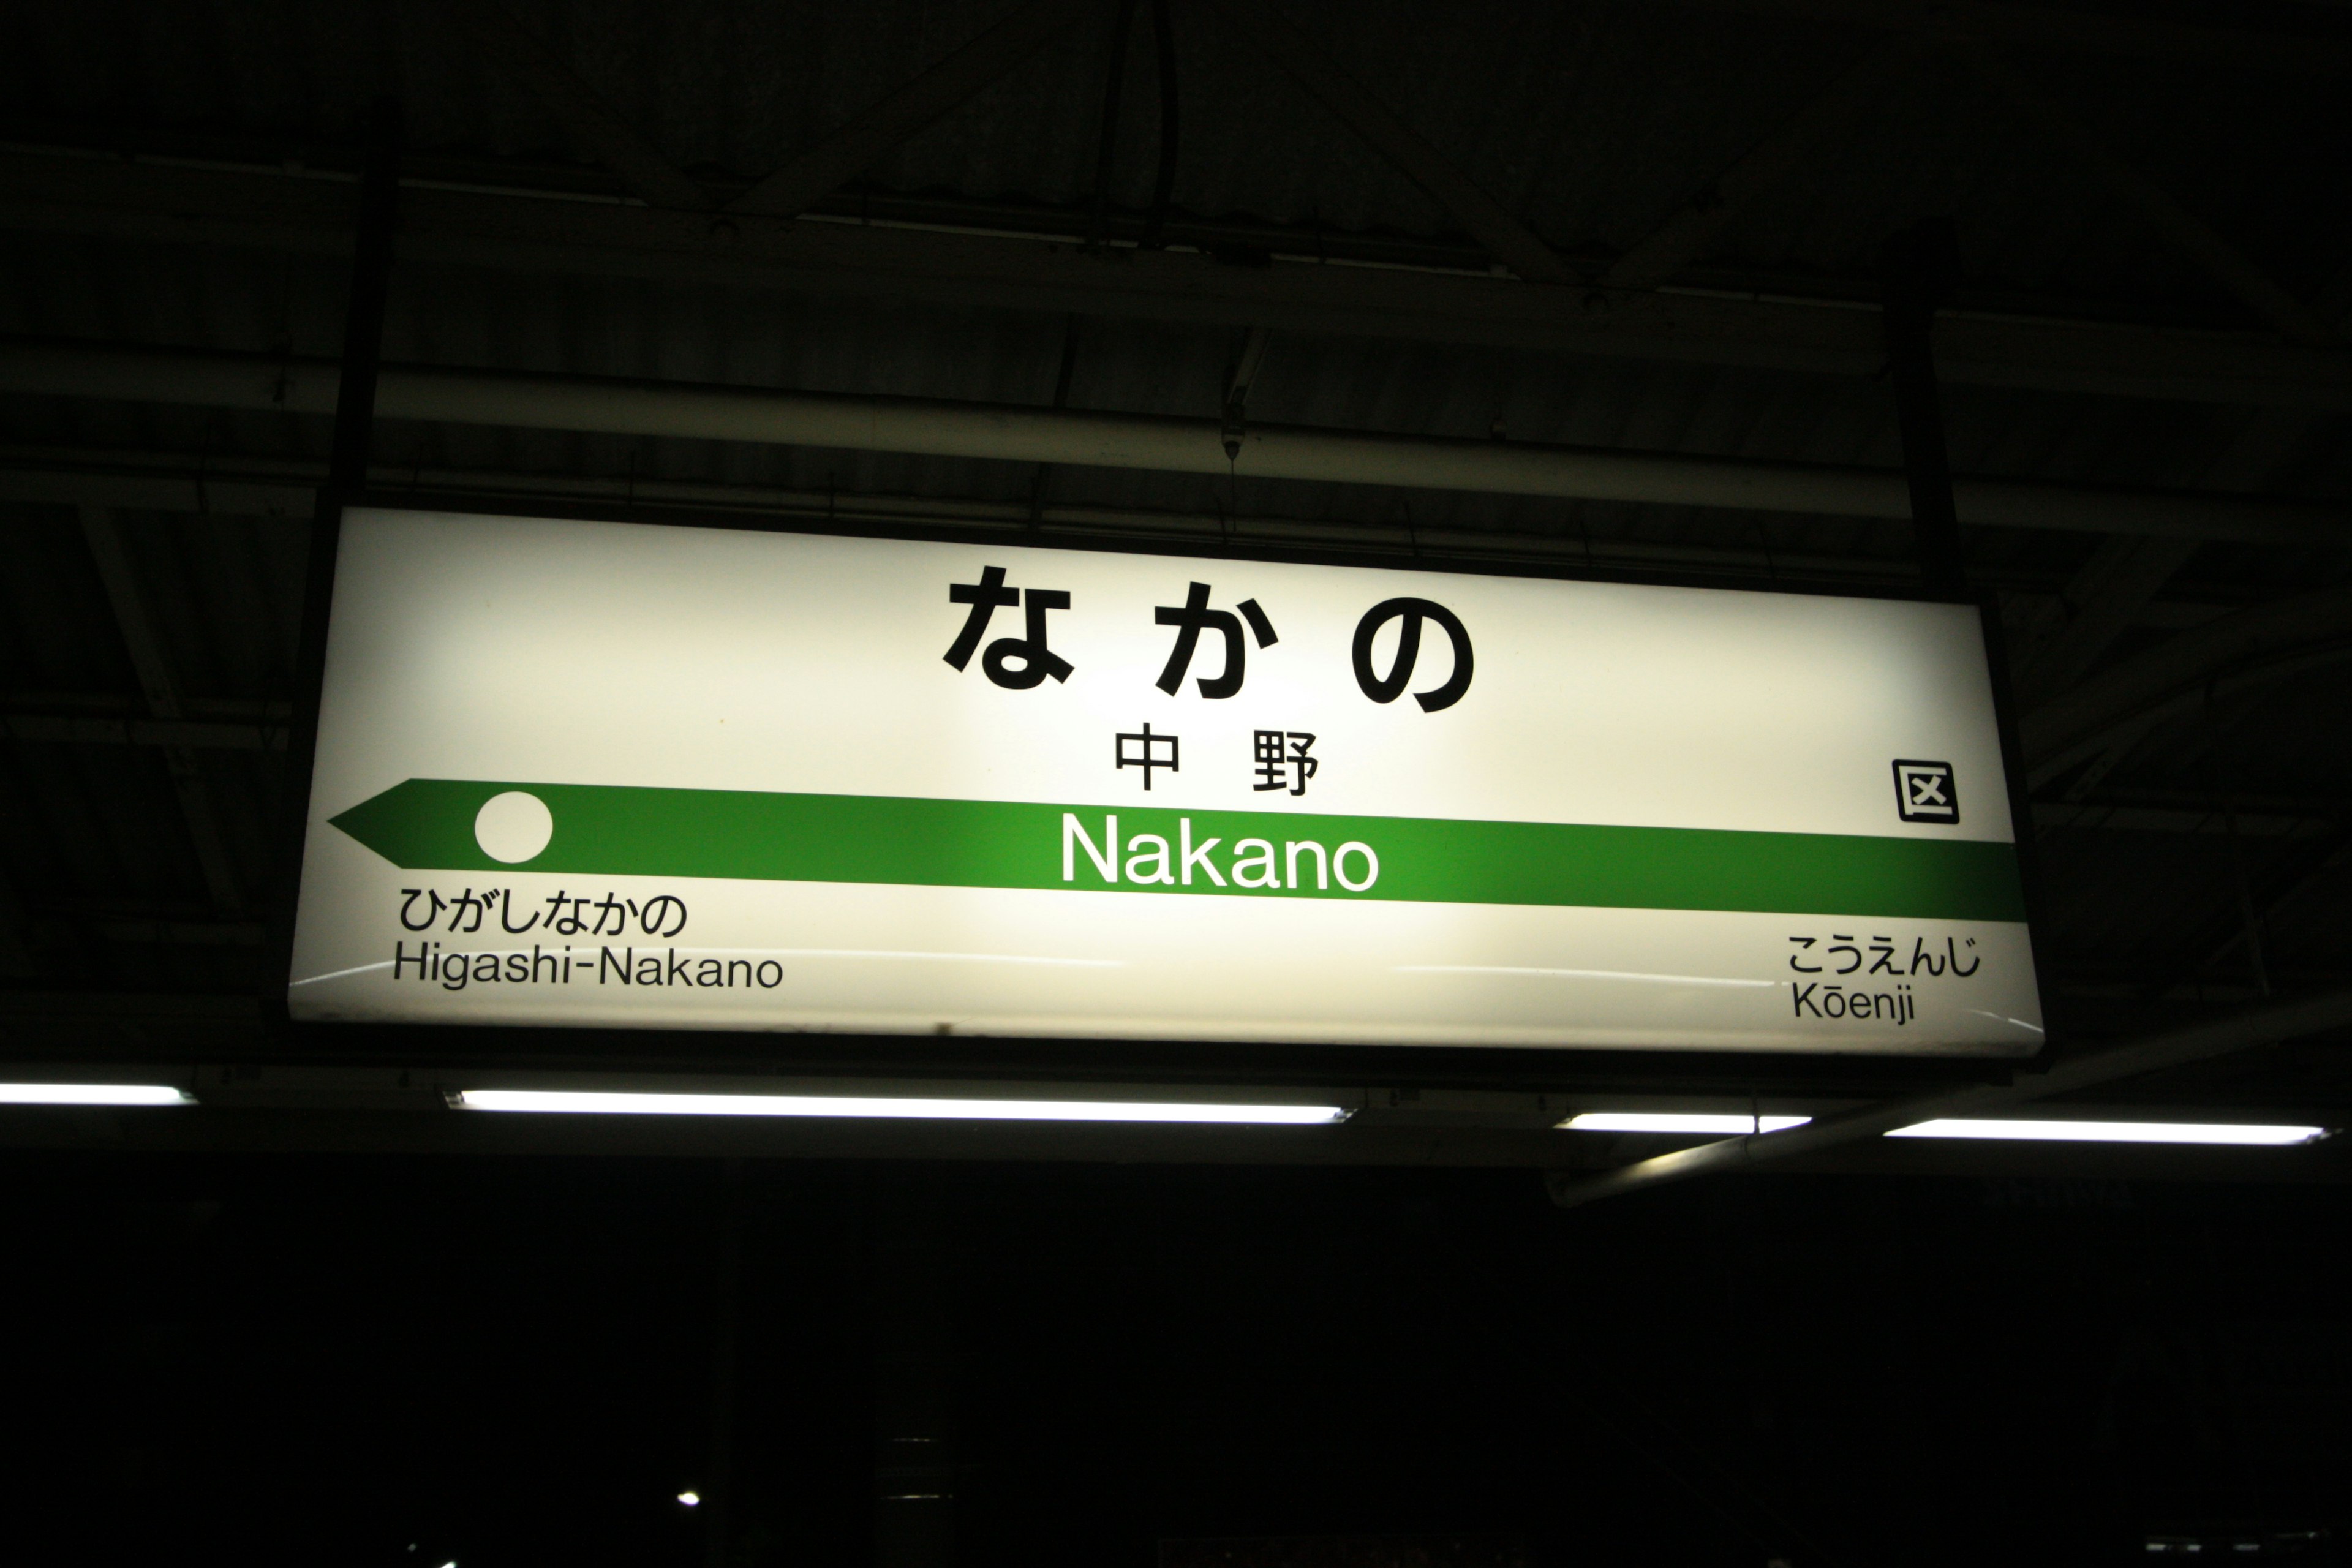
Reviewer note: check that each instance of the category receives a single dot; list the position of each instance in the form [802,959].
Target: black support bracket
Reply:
[347,471]
[1918,267]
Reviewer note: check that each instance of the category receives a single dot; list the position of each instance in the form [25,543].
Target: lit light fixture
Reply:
[606,1103]
[1679,1121]
[689,1500]
[92,1094]
[2115,1132]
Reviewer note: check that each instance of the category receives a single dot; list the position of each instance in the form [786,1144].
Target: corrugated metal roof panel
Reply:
[1591,122]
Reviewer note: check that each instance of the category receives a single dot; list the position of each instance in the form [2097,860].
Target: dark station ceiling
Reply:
[1641,228]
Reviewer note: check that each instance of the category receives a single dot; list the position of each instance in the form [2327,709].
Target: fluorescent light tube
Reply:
[2115,1132]
[630,1104]
[92,1094]
[1679,1121]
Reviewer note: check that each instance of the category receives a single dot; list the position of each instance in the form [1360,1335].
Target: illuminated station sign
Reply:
[598,774]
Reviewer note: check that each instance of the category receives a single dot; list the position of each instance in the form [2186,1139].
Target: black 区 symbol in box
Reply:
[1924,791]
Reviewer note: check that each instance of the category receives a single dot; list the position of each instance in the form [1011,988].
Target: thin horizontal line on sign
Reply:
[339,973]
[750,835]
[778,952]
[939,957]
[1574,974]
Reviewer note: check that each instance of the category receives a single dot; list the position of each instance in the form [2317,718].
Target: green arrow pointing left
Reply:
[620,831]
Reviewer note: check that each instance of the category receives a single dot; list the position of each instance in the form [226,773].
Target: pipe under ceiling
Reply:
[1022,434]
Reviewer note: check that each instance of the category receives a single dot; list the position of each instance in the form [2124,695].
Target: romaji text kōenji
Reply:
[1149,860]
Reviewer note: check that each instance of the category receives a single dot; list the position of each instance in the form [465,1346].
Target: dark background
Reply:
[223,1349]
[323,1361]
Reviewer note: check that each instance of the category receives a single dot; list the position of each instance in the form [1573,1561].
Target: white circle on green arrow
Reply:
[514,826]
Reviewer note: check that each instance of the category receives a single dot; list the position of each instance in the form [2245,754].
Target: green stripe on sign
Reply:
[612,830]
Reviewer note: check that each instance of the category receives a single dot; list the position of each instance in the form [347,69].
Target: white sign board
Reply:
[602,774]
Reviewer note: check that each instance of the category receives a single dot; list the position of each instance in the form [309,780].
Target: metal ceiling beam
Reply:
[183,933]
[2124,577]
[252,487]
[527,60]
[1309,65]
[261,488]
[2099,816]
[16,960]
[2104,600]
[1686,235]
[2218,705]
[2243,922]
[2215,705]
[257,487]
[2177,1047]
[2187,233]
[1027,434]
[66,729]
[2189,670]
[246,711]
[854,148]
[2193,972]
[2072,28]
[150,659]
[149,202]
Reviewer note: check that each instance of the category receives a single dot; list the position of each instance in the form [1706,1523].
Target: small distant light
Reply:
[1679,1121]
[92,1094]
[2237,1132]
[690,1500]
